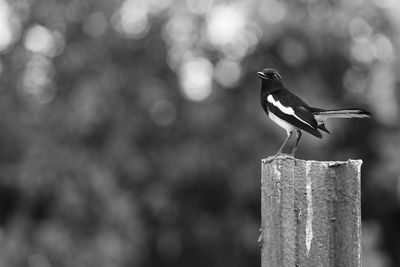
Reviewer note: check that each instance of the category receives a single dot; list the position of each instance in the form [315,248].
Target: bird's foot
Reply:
[283,155]
[278,156]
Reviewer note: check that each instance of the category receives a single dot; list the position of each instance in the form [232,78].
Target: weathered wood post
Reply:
[311,213]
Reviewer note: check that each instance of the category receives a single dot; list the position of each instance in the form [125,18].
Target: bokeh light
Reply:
[131,20]
[225,24]
[196,78]
[36,82]
[9,26]
[360,30]
[38,39]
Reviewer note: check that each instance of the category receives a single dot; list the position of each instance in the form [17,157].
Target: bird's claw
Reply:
[283,155]
[278,156]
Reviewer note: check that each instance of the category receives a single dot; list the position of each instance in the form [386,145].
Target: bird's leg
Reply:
[284,143]
[298,133]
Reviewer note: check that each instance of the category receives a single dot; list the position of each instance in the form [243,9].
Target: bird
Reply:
[292,114]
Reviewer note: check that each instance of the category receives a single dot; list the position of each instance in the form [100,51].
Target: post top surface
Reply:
[285,157]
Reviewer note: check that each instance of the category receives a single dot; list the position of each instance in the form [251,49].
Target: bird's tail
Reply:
[322,114]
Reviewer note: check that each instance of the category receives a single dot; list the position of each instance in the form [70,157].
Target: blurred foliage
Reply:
[131,131]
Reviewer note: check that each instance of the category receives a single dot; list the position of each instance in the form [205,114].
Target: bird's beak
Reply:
[261,75]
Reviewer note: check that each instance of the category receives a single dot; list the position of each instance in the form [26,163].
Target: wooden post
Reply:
[311,213]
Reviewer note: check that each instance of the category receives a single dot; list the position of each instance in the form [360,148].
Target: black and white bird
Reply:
[293,114]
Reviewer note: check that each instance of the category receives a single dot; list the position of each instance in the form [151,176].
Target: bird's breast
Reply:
[282,123]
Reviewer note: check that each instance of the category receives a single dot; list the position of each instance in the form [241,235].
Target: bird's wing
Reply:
[292,109]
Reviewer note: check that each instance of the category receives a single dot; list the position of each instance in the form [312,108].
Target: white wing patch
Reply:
[286,110]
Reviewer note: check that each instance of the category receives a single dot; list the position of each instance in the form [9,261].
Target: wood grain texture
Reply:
[311,213]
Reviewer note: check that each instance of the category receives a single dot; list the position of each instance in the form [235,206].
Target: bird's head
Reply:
[270,80]
[269,75]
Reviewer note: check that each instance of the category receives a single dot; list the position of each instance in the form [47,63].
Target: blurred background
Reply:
[131,130]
